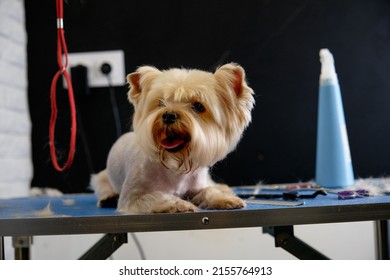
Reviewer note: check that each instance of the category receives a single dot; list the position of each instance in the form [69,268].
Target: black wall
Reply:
[277,42]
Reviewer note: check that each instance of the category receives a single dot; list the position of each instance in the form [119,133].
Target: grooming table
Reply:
[78,214]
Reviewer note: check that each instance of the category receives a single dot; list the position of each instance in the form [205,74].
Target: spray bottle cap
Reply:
[328,71]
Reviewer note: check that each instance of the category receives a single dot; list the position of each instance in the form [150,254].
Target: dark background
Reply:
[277,42]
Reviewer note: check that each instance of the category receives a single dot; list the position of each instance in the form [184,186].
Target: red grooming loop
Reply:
[62,60]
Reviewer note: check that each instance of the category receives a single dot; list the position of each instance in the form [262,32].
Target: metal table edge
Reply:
[219,219]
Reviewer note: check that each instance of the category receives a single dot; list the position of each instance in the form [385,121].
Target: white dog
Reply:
[184,122]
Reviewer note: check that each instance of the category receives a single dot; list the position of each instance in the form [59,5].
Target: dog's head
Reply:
[189,118]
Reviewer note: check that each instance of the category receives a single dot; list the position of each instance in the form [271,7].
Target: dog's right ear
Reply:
[140,80]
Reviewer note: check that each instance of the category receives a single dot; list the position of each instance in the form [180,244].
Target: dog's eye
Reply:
[198,107]
[160,103]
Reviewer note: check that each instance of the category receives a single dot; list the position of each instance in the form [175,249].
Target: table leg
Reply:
[2,257]
[22,246]
[105,247]
[284,237]
[382,239]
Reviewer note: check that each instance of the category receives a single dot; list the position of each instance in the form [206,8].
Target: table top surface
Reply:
[78,214]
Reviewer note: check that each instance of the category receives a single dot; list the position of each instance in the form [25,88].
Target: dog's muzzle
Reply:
[173,138]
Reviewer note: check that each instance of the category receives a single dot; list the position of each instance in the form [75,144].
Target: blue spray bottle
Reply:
[333,159]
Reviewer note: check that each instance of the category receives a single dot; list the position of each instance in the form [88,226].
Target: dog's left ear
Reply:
[140,80]
[232,75]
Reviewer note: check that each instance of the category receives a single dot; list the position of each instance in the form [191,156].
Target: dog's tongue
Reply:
[171,142]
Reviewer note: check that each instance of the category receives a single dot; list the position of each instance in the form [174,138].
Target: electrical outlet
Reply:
[94,60]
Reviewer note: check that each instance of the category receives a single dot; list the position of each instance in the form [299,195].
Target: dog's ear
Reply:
[232,75]
[140,80]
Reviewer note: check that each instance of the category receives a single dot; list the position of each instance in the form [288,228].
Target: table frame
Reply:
[205,219]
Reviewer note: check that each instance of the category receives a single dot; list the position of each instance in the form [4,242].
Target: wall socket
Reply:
[94,60]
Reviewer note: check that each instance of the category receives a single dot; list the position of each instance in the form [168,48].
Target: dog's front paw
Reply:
[222,202]
[174,206]
[228,202]
[217,198]
[156,202]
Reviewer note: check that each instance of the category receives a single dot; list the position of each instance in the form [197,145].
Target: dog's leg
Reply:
[217,197]
[156,202]
[107,197]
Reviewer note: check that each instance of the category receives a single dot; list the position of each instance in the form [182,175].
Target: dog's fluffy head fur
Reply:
[189,118]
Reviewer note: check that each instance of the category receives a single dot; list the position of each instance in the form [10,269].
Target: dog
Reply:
[185,120]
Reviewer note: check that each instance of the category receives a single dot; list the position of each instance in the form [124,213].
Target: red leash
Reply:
[62,53]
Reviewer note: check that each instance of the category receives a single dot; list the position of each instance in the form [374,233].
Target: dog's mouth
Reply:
[174,142]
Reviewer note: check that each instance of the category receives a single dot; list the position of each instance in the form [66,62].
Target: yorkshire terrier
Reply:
[184,122]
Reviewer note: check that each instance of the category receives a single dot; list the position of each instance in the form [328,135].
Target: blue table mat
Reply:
[85,205]
[331,199]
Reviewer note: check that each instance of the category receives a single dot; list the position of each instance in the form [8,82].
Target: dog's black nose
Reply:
[169,117]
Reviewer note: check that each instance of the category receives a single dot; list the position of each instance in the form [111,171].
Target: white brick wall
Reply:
[15,126]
